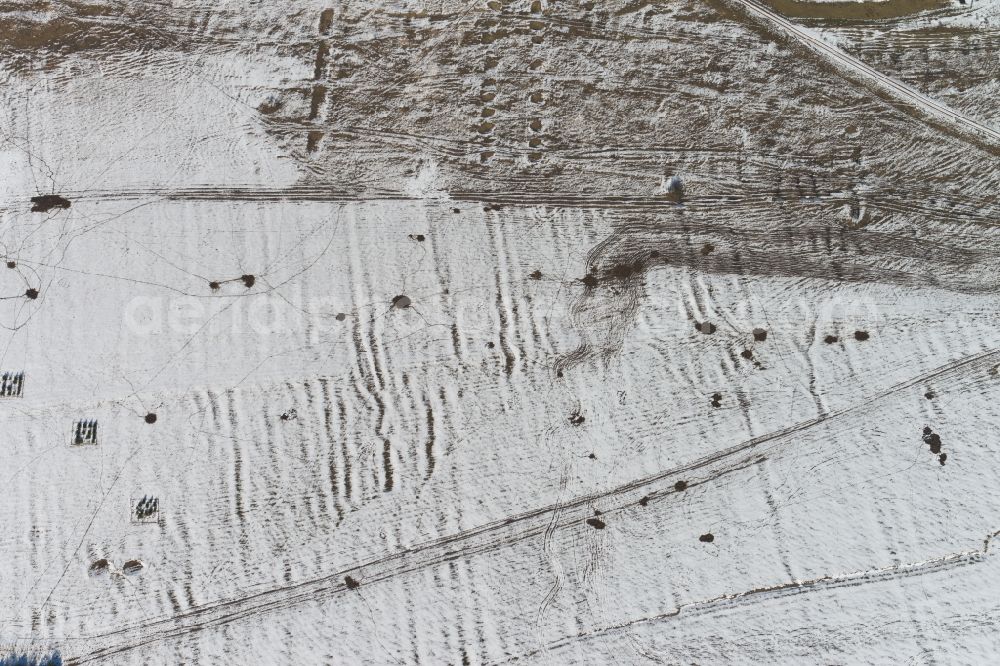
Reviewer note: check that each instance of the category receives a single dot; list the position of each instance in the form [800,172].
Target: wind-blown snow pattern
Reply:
[509,332]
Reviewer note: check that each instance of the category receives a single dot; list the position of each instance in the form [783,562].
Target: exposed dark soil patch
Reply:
[270,105]
[853,11]
[325,21]
[810,250]
[590,281]
[625,271]
[62,33]
[46,202]
[98,567]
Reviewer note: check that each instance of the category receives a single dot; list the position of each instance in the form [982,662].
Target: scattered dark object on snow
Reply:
[759,334]
[401,302]
[576,418]
[644,501]
[98,567]
[340,316]
[417,237]
[596,523]
[747,354]
[11,264]
[31,293]
[716,400]
[942,458]
[707,538]
[248,280]
[707,249]
[681,486]
[933,440]
[675,188]
[705,327]
[150,418]
[536,275]
[861,335]
[132,567]
[830,339]
[213,285]
[46,202]
[351,583]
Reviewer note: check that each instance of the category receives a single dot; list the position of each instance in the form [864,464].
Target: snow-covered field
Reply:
[517,332]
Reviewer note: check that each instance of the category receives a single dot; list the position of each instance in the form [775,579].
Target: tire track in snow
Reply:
[491,536]
[761,594]
[969,129]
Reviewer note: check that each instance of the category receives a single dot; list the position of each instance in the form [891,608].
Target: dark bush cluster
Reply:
[146,507]
[25,660]
[11,384]
[85,432]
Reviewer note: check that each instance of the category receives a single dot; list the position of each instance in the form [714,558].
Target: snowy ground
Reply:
[394,312]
